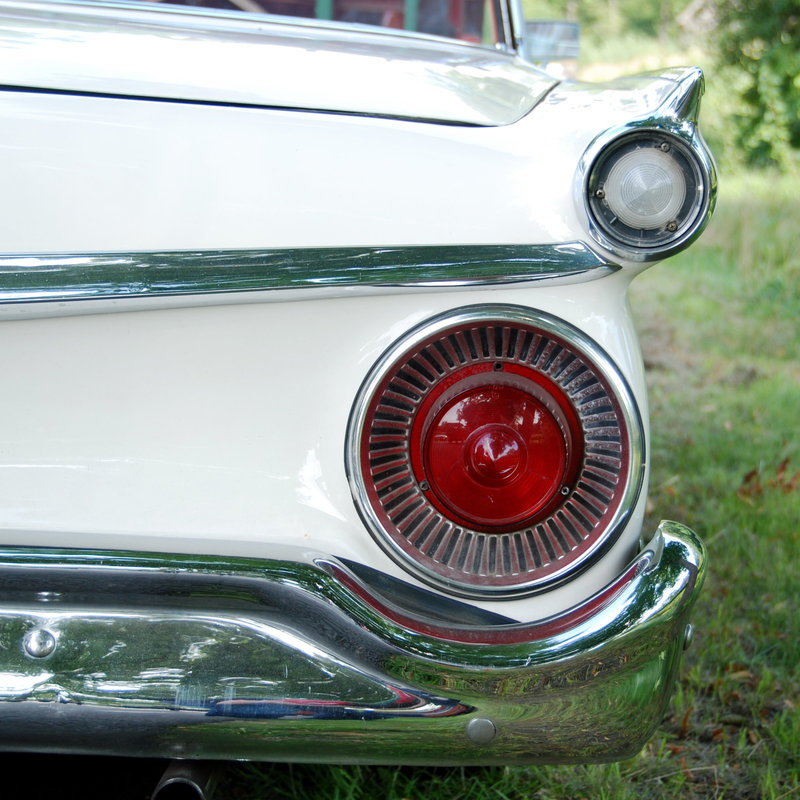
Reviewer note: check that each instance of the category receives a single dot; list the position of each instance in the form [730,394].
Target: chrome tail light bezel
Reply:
[514,549]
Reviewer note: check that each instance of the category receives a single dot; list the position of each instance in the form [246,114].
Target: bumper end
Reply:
[201,658]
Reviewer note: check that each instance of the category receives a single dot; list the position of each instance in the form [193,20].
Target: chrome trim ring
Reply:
[692,218]
[397,502]
[676,119]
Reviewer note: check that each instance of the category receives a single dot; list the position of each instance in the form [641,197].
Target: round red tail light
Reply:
[494,446]
[494,450]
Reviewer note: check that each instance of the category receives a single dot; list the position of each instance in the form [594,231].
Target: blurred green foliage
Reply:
[760,37]
[612,18]
[752,48]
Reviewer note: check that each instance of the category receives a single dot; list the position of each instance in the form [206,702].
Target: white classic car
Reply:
[324,420]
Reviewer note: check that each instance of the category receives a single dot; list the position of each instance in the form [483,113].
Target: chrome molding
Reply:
[203,657]
[66,277]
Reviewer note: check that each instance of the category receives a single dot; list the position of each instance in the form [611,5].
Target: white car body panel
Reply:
[231,490]
[221,429]
[230,464]
[222,177]
[234,59]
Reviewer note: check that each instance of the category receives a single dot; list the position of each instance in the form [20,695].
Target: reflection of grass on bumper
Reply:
[721,340]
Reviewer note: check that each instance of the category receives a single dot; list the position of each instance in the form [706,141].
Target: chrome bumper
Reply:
[200,657]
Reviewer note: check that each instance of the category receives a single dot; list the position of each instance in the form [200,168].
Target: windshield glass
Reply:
[478,21]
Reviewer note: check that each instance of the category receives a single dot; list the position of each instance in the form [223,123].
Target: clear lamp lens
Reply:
[646,193]
[646,189]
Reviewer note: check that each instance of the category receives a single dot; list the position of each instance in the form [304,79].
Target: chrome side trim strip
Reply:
[203,657]
[64,277]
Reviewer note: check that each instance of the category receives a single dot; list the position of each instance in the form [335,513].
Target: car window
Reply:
[478,21]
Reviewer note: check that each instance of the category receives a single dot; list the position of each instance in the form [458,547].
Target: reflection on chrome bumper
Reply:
[199,657]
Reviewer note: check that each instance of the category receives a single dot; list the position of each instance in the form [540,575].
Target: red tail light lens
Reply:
[494,451]
[494,446]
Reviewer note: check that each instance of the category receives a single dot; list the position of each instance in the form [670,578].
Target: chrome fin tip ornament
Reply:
[684,172]
[684,102]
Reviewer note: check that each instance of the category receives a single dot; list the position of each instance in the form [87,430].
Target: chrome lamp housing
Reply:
[647,189]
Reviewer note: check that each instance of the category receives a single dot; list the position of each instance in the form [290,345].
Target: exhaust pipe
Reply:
[188,780]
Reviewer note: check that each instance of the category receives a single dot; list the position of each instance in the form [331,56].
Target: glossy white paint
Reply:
[96,174]
[245,178]
[234,58]
[222,429]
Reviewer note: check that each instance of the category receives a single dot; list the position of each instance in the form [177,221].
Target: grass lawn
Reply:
[720,337]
